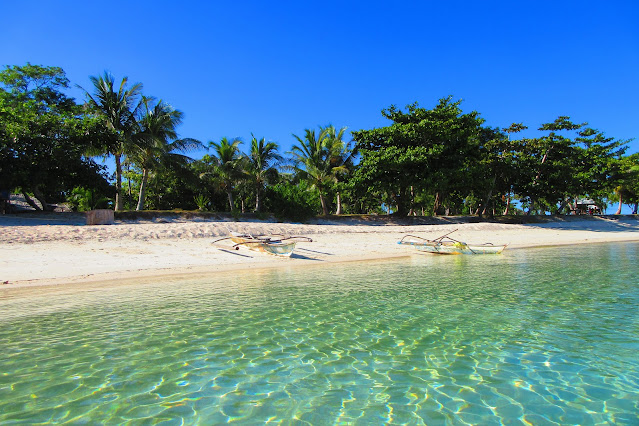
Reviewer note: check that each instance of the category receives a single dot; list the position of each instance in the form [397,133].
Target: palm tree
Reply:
[118,109]
[155,143]
[261,166]
[312,160]
[228,164]
[341,157]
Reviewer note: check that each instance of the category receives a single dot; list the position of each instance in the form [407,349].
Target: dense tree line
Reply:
[425,162]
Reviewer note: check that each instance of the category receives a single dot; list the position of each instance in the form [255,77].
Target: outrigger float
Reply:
[448,245]
[278,245]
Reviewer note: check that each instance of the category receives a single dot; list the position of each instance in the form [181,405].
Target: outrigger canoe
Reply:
[277,245]
[448,245]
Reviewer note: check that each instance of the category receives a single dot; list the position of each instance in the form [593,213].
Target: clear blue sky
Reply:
[276,68]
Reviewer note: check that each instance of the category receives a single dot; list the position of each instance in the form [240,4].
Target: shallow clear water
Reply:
[540,336]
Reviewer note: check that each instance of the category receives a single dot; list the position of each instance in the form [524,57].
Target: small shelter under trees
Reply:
[586,206]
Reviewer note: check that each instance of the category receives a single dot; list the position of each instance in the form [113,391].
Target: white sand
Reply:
[37,251]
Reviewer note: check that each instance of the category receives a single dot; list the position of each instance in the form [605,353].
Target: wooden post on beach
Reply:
[100,217]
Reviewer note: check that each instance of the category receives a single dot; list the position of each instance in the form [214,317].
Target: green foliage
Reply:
[155,144]
[83,199]
[116,108]
[426,161]
[203,202]
[226,167]
[293,202]
[37,85]
[175,186]
[44,136]
[557,168]
[320,158]
[627,182]
[260,166]
[422,148]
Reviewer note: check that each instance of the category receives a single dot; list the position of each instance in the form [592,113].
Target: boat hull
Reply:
[454,248]
[275,248]
[464,249]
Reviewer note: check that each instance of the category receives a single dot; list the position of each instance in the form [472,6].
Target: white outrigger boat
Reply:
[448,245]
[278,245]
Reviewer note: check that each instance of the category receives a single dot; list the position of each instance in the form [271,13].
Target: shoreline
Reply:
[65,251]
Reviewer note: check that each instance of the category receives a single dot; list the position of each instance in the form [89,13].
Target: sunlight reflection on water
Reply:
[538,335]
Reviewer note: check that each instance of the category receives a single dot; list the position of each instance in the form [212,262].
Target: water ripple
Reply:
[537,336]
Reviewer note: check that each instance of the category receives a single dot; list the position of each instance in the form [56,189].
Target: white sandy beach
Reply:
[36,251]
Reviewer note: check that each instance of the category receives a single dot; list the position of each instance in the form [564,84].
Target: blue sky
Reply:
[276,68]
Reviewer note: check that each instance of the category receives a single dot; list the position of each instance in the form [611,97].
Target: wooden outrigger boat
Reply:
[278,245]
[448,245]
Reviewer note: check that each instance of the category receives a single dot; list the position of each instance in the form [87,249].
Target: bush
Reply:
[293,202]
[203,202]
[82,200]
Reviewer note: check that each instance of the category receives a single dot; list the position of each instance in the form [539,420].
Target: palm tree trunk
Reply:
[339,204]
[324,205]
[142,196]
[119,204]
[129,190]
[229,193]
[258,200]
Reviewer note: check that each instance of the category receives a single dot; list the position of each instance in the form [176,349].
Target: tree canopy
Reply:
[422,148]
[44,136]
[434,161]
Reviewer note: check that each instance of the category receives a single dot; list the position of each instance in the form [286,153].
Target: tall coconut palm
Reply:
[118,109]
[260,166]
[341,157]
[156,143]
[312,160]
[228,164]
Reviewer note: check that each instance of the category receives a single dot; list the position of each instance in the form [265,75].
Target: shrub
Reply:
[82,199]
[293,202]
[202,201]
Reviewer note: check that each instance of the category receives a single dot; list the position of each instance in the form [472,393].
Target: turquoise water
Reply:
[539,336]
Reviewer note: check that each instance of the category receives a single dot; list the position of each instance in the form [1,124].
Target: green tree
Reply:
[118,109]
[341,157]
[558,168]
[155,144]
[292,201]
[598,167]
[261,166]
[422,149]
[176,185]
[506,154]
[44,136]
[627,188]
[227,165]
[315,160]
[550,161]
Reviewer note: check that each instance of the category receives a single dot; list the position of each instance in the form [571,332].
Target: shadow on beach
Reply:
[607,223]
[604,223]
[43,218]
